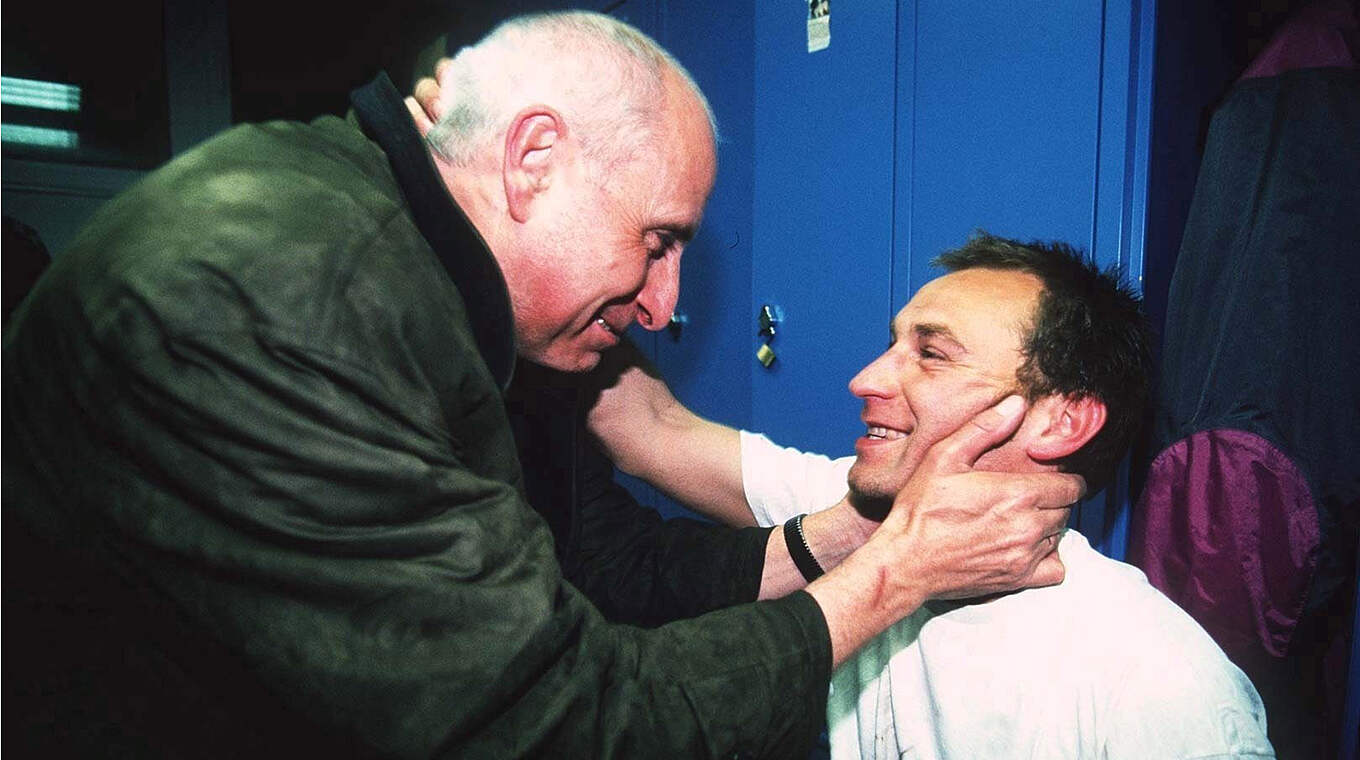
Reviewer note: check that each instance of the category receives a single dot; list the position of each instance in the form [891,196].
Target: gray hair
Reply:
[604,75]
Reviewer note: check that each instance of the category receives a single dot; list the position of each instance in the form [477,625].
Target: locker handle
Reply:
[769,318]
[677,324]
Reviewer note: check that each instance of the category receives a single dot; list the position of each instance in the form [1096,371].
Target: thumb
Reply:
[988,428]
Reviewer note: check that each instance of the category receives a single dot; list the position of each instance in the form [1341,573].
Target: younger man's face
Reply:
[955,350]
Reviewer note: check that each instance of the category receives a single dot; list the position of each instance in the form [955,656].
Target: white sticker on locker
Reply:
[819,25]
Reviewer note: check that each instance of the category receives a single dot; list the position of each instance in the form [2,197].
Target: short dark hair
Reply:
[1088,339]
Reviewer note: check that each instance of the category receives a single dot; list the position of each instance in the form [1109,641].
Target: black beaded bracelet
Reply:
[800,551]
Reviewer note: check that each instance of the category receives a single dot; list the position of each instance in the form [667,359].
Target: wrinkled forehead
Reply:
[986,312]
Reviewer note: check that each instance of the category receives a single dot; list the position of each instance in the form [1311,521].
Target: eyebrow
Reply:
[680,231]
[931,330]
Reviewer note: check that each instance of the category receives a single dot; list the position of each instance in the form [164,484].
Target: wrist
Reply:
[834,534]
[795,540]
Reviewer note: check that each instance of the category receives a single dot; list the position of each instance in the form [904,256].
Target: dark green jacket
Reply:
[631,564]
[261,495]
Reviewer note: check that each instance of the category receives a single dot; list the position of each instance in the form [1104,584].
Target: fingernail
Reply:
[1011,405]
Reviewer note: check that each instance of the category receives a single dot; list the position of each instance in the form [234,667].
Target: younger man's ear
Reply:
[531,147]
[1070,423]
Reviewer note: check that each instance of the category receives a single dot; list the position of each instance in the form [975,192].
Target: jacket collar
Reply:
[384,119]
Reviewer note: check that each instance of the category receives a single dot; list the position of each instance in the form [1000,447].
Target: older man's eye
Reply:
[927,352]
[659,244]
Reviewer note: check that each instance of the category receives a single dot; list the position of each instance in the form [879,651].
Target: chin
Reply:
[587,362]
[566,361]
[866,484]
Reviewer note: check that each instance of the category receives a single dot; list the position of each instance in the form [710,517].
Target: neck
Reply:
[475,194]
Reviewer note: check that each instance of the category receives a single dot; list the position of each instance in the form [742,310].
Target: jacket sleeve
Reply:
[633,565]
[360,543]
[639,568]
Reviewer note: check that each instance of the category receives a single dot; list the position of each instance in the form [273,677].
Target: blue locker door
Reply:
[823,215]
[998,128]
[705,355]
[1029,120]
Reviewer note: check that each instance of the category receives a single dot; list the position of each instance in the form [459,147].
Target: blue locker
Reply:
[704,357]
[824,188]
[705,354]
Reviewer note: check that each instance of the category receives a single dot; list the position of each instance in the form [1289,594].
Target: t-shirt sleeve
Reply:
[781,482]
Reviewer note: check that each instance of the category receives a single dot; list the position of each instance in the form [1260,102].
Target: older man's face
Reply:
[612,253]
[955,351]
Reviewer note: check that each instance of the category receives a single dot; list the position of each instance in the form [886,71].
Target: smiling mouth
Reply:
[879,433]
[600,321]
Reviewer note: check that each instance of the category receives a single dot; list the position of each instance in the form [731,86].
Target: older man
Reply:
[261,494]
[1103,666]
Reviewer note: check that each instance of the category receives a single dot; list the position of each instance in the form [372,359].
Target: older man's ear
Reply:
[1064,424]
[531,148]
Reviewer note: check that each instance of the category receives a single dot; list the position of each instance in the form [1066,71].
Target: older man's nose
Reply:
[656,301]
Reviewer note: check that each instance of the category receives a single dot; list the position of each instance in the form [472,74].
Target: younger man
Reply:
[1101,666]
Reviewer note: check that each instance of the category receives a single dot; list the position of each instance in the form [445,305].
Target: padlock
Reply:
[765,355]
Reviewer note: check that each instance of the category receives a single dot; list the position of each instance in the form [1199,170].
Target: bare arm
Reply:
[651,435]
[648,433]
[952,532]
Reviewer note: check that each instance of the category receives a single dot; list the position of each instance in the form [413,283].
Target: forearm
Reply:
[831,534]
[697,462]
[862,597]
[864,589]
[651,435]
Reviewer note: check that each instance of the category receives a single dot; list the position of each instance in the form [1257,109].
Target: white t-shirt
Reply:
[1101,666]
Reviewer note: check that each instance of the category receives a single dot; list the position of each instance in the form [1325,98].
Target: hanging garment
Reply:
[1248,518]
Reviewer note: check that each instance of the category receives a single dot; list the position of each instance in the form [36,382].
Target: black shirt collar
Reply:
[383,117]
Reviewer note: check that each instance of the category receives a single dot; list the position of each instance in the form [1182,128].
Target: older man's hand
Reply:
[953,532]
[970,533]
